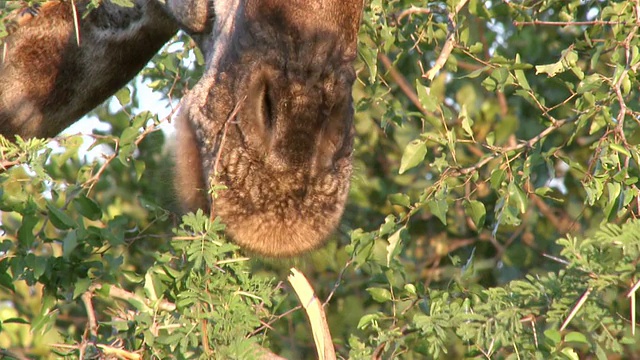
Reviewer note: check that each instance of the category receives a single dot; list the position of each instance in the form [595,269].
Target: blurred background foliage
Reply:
[493,210]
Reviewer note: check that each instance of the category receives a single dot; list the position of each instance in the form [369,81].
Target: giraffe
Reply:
[271,119]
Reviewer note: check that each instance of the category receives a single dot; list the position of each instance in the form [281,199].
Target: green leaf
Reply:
[474,74]
[25,233]
[150,286]
[476,48]
[410,288]
[491,138]
[553,335]
[613,191]
[576,337]
[140,167]
[124,96]
[413,155]
[497,178]
[379,294]
[129,135]
[520,76]
[590,83]
[370,57]
[15,320]
[7,281]
[518,197]
[87,207]
[466,122]
[69,244]
[60,219]
[620,148]
[570,354]
[394,248]
[567,61]
[368,319]
[497,80]
[428,101]
[199,56]
[476,211]
[400,199]
[81,287]
[124,3]
[439,208]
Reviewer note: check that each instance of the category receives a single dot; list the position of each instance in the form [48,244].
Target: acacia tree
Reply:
[493,211]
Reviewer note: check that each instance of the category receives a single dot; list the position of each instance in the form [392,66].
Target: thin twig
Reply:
[403,84]
[448,45]
[499,151]
[338,281]
[76,26]
[576,308]
[568,23]
[413,10]
[632,301]
[224,132]
[118,352]
[275,318]
[634,288]
[220,148]
[122,294]
[108,159]
[91,315]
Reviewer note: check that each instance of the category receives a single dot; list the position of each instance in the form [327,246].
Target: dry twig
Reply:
[315,313]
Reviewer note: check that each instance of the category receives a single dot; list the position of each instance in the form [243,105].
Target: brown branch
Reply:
[108,159]
[625,73]
[499,151]
[315,313]
[6,164]
[91,315]
[275,318]
[448,45]
[118,352]
[205,338]
[413,10]
[338,281]
[471,67]
[403,84]
[568,23]
[122,294]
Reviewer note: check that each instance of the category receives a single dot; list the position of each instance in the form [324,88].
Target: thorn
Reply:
[576,308]
[76,26]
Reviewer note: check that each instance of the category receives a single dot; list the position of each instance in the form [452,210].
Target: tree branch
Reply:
[499,151]
[403,84]
[315,313]
[448,45]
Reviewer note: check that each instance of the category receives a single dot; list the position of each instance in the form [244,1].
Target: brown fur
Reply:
[47,82]
[286,154]
[189,182]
